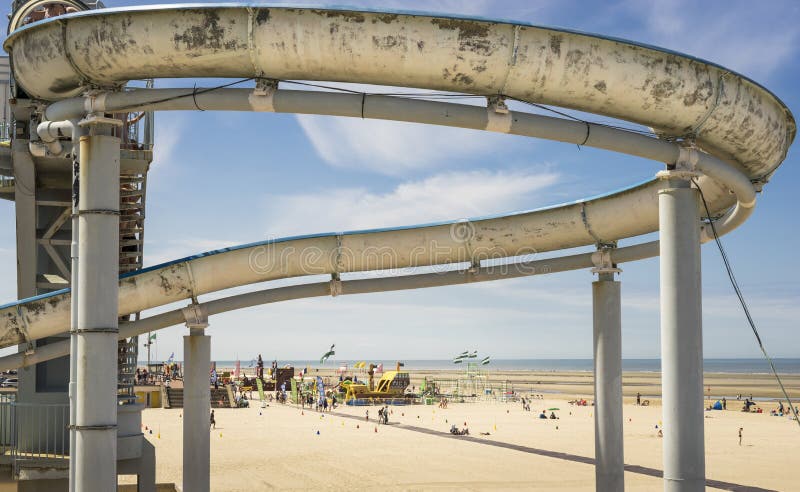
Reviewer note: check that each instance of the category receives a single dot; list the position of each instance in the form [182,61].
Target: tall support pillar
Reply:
[196,401]
[96,389]
[77,131]
[609,468]
[681,335]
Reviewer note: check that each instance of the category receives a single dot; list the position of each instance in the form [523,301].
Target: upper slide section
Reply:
[733,117]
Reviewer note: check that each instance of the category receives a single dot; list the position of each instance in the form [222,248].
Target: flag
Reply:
[457,360]
[213,375]
[486,360]
[320,389]
[152,337]
[473,355]
[171,358]
[236,370]
[260,389]
[327,354]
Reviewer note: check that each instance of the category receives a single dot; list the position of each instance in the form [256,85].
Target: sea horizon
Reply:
[710,365]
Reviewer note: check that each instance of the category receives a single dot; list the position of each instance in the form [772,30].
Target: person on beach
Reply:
[213,421]
[367,415]
[740,435]
[380,415]
[724,403]
[638,398]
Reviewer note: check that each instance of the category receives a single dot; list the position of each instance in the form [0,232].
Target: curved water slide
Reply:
[710,122]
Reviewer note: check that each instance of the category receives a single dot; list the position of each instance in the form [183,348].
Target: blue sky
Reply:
[220,179]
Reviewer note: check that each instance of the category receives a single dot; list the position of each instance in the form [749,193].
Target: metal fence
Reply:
[33,432]
[6,423]
[5,130]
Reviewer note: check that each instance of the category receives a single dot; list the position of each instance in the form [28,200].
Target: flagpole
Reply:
[149,343]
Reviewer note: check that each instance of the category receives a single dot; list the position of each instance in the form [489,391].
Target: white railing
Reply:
[6,423]
[34,432]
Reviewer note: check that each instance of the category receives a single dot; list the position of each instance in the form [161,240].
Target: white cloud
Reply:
[393,148]
[443,196]
[752,41]
[169,128]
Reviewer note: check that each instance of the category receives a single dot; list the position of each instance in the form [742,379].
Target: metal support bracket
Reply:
[94,119]
[196,316]
[92,427]
[602,260]
[261,99]
[336,285]
[685,167]
[498,116]
[96,330]
[97,211]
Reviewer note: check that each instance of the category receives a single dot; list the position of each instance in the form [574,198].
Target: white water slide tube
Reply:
[740,134]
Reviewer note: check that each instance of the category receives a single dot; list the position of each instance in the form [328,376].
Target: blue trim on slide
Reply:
[334,234]
[413,13]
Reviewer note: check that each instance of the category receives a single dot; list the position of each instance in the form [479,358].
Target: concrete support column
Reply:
[196,402]
[607,321]
[681,337]
[96,390]
[77,131]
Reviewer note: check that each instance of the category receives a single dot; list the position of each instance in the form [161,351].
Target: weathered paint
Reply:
[437,244]
[675,94]
[55,59]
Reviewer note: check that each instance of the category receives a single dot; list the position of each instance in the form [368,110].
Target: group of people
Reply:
[320,404]
[143,377]
[459,432]
[169,371]
[553,415]
[781,410]
[581,402]
[443,403]
[383,415]
[172,370]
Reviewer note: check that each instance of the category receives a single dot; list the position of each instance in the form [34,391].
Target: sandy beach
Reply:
[289,448]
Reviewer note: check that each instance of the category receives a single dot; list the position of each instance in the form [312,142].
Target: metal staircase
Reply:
[132,193]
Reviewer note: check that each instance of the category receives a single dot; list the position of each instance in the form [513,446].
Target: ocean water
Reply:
[734,366]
